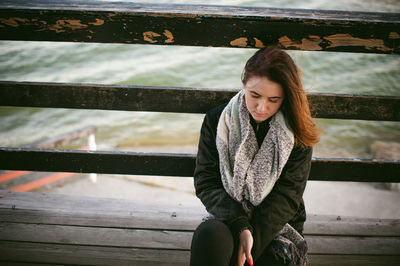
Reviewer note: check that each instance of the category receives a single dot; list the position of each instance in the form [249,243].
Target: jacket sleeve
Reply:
[283,202]
[208,184]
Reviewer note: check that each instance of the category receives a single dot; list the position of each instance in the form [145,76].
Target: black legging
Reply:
[213,244]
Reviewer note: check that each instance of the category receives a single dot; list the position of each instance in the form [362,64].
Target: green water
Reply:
[190,67]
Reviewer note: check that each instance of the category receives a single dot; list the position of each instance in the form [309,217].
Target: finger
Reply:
[241,259]
[247,251]
[249,258]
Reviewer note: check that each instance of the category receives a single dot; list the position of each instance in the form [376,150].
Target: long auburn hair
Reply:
[276,65]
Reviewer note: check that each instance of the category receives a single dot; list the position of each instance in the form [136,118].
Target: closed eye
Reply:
[274,99]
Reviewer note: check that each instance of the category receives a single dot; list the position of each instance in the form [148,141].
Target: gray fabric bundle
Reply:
[249,173]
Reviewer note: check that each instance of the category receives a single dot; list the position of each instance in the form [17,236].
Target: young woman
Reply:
[252,166]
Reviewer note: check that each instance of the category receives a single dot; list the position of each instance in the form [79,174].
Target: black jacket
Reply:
[284,204]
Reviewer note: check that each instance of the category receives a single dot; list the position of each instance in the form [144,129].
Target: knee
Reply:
[212,231]
[212,241]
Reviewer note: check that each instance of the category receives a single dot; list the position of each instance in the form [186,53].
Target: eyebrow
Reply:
[257,94]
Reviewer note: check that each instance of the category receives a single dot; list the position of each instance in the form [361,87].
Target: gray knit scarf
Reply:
[249,173]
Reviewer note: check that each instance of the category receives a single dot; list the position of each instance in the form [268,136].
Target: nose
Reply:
[262,107]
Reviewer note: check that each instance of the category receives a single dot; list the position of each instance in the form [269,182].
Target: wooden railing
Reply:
[196,25]
[217,26]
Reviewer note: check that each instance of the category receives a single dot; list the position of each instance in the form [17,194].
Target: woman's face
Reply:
[263,97]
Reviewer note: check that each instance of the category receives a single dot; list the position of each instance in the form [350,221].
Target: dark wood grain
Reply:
[198,25]
[182,100]
[358,170]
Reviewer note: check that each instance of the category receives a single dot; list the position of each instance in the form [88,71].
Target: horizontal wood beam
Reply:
[182,100]
[177,240]
[59,209]
[357,170]
[200,25]
[97,162]
[19,253]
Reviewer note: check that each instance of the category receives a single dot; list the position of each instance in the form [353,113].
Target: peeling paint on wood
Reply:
[170,37]
[98,22]
[394,35]
[216,26]
[13,22]
[239,42]
[316,43]
[311,43]
[245,42]
[150,36]
[154,37]
[338,40]
[63,24]
[259,44]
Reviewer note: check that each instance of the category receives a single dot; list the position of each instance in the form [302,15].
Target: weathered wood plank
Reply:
[84,255]
[315,260]
[359,170]
[89,255]
[155,239]
[355,260]
[136,219]
[28,240]
[96,162]
[12,263]
[95,236]
[40,208]
[350,226]
[362,107]
[197,25]
[341,245]
[187,10]
[85,211]
[183,100]
[179,220]
[54,202]
[26,252]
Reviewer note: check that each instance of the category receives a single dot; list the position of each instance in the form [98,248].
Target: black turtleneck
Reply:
[260,129]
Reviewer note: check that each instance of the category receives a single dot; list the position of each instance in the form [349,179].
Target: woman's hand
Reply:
[245,246]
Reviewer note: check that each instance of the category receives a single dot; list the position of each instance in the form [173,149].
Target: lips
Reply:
[260,115]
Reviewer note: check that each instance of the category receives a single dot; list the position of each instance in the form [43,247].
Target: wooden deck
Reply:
[58,229]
